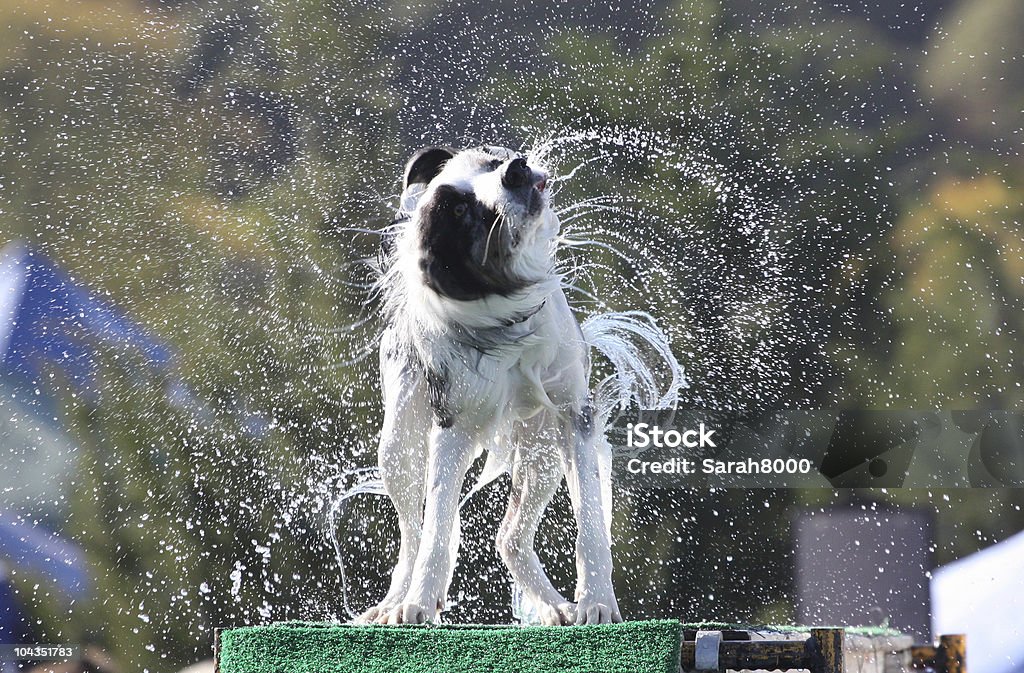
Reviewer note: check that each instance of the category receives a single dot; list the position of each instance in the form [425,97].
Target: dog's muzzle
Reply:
[526,184]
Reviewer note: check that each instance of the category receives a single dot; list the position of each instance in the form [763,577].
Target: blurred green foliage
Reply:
[199,164]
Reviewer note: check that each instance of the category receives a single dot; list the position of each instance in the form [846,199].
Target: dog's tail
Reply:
[645,370]
[645,373]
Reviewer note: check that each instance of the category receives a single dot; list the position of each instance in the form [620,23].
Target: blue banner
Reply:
[55,323]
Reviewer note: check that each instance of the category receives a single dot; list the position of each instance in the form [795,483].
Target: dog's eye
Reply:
[495,163]
[460,209]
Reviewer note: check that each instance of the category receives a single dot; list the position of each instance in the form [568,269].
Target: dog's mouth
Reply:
[537,200]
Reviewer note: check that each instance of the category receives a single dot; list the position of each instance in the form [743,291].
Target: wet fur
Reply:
[482,353]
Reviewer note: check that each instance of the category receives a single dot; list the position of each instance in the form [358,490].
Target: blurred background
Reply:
[820,203]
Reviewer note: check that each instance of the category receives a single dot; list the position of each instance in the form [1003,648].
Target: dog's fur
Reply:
[482,352]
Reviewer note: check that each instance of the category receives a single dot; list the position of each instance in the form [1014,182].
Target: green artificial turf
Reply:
[303,647]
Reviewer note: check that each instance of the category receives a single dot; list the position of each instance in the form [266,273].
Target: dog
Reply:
[481,352]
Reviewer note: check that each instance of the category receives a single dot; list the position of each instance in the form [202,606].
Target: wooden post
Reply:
[922,656]
[216,650]
[829,644]
[949,656]
[953,653]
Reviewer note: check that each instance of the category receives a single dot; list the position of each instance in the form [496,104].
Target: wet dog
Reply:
[482,352]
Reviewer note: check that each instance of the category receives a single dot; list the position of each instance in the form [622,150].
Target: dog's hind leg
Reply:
[402,460]
[594,590]
[453,555]
[536,474]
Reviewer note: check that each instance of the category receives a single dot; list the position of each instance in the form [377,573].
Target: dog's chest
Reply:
[510,381]
[542,368]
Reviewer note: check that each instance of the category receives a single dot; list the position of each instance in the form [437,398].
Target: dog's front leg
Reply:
[402,457]
[450,455]
[594,591]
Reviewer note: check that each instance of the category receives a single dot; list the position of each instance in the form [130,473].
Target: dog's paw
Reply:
[598,612]
[562,614]
[374,614]
[407,613]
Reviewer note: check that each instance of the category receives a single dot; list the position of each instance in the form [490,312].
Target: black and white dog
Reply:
[482,353]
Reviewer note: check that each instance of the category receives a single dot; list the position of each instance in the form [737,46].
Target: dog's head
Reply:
[480,221]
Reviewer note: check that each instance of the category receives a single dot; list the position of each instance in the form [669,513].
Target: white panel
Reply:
[982,595]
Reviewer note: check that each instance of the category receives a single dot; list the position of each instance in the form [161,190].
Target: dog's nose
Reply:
[517,174]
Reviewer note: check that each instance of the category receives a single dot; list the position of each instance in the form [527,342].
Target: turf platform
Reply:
[304,647]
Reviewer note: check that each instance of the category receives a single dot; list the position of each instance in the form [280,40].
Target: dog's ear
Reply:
[425,164]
